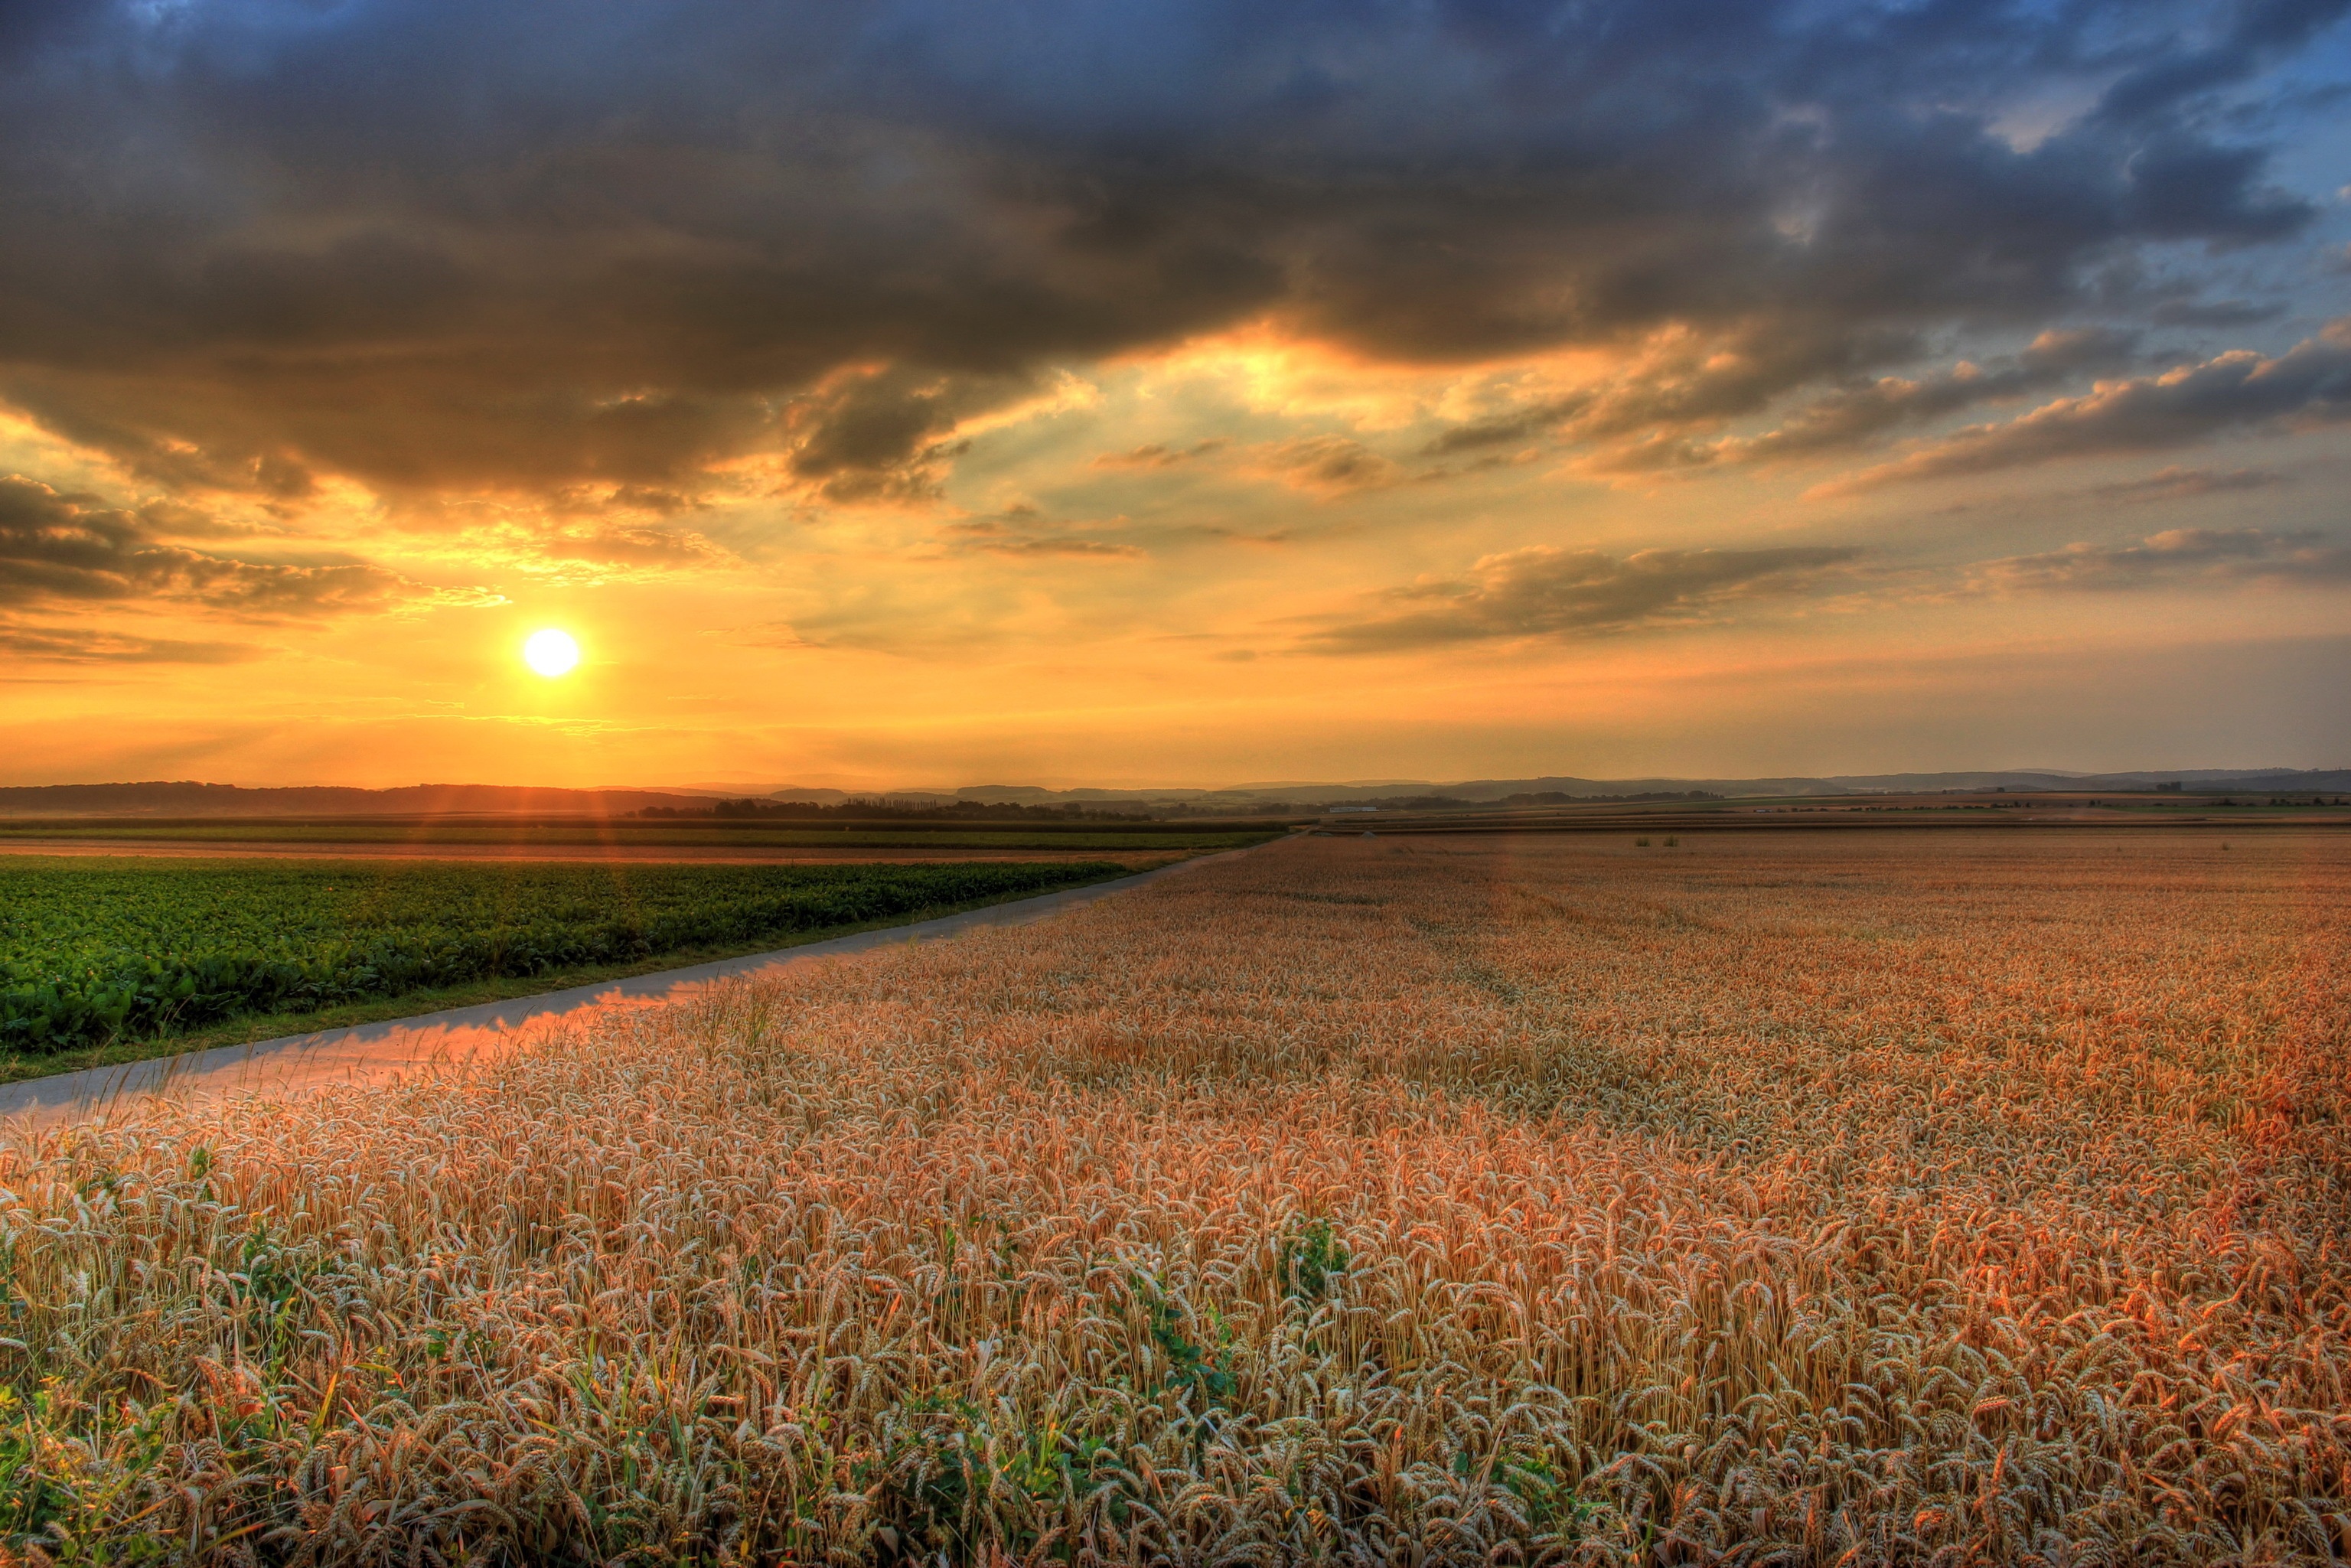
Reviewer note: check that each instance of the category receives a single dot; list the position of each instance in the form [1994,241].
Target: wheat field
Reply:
[1766,1198]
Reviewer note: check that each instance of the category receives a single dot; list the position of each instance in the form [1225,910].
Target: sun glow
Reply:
[551,652]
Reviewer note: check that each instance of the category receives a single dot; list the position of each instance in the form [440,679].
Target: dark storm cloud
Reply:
[2170,559]
[57,549]
[2213,313]
[2178,484]
[2246,38]
[1537,418]
[1025,531]
[622,544]
[1159,454]
[2311,383]
[50,644]
[1325,466]
[529,245]
[1548,593]
[880,433]
[1849,416]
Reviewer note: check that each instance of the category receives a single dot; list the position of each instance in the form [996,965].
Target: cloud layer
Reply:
[1547,592]
[2174,557]
[61,550]
[2310,383]
[892,366]
[531,245]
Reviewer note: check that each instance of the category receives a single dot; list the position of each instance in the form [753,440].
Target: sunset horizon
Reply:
[1106,392]
[1397,783]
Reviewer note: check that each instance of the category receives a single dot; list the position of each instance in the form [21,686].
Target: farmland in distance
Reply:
[688,837]
[1869,1197]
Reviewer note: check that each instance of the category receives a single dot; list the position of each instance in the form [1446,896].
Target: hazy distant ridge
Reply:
[2276,780]
[188,799]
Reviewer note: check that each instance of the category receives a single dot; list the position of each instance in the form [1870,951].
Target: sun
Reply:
[551,652]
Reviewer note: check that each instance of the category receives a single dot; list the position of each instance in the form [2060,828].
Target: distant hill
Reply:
[2215,781]
[1290,793]
[188,799]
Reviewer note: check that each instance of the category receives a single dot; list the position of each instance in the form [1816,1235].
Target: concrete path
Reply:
[374,1051]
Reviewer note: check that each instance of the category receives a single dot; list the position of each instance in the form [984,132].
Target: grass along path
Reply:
[17,1067]
[464,1037]
[300,906]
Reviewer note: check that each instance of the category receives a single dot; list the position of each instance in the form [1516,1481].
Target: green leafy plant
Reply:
[1313,1259]
[1203,1369]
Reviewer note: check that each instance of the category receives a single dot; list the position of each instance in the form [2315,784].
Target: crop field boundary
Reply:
[455,1036]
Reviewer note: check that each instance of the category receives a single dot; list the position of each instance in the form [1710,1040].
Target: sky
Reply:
[1129,392]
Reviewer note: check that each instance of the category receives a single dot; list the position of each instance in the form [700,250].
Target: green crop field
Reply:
[96,951]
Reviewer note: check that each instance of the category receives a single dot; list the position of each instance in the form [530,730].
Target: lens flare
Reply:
[551,652]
